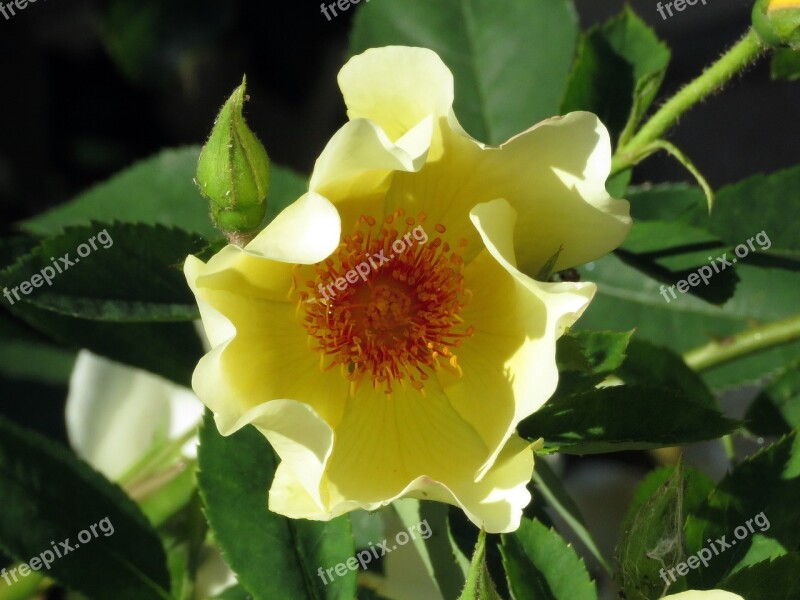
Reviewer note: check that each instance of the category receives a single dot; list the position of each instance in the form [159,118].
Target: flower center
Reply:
[386,303]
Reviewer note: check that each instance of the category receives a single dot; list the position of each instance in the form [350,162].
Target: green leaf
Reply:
[130,274]
[687,163]
[652,539]
[627,299]
[619,69]
[27,356]
[479,584]
[15,246]
[235,476]
[776,410]
[570,355]
[663,237]
[667,202]
[673,251]
[103,303]
[617,185]
[443,560]
[33,368]
[767,482]
[696,488]
[648,364]
[619,418]
[48,495]
[552,489]
[758,205]
[769,279]
[742,211]
[777,579]
[167,349]
[585,359]
[184,533]
[604,350]
[158,190]
[547,269]
[540,565]
[504,83]
[785,65]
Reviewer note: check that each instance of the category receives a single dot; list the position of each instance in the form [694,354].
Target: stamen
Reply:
[392,316]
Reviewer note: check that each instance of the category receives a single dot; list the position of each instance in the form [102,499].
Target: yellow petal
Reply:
[388,441]
[305,232]
[508,365]
[554,175]
[303,440]
[387,447]
[704,595]
[496,502]
[268,359]
[396,87]
[260,352]
[355,168]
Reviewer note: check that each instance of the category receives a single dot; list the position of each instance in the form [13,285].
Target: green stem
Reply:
[479,585]
[744,343]
[154,459]
[730,450]
[168,498]
[735,60]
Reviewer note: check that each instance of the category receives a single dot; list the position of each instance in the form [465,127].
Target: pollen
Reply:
[385,305]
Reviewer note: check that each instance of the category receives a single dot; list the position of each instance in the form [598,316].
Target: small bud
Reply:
[777,22]
[233,170]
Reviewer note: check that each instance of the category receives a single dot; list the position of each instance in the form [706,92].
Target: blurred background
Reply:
[91,87]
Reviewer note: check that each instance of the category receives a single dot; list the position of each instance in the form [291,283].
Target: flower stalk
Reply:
[750,341]
[734,61]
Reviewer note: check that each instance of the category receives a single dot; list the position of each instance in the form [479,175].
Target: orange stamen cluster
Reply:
[401,319]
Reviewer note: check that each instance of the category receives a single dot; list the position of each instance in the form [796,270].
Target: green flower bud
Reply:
[233,170]
[777,22]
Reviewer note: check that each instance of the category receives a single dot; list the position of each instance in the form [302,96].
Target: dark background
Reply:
[89,87]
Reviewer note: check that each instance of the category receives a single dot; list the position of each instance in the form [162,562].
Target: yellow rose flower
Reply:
[408,379]
[704,595]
